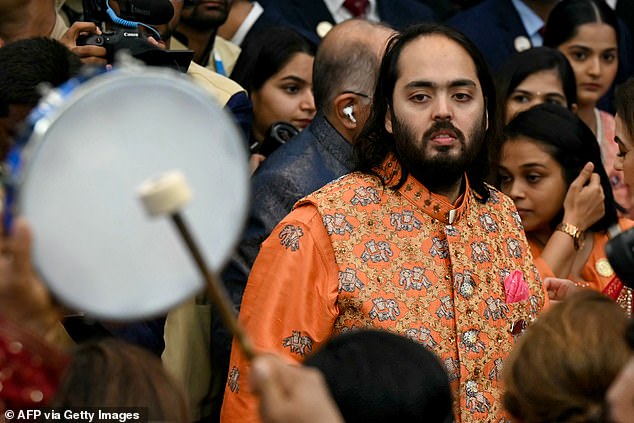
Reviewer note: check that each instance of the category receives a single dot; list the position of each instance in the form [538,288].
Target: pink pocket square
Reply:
[515,287]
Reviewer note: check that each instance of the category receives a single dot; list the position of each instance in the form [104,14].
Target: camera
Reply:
[279,133]
[620,253]
[116,40]
[125,35]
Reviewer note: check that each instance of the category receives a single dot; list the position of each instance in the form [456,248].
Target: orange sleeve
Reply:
[543,268]
[626,224]
[289,304]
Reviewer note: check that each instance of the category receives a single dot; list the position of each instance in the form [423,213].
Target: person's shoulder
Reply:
[283,174]
[402,12]
[228,53]
[606,117]
[626,223]
[482,10]
[290,155]
[220,87]
[225,45]
[60,27]
[496,199]
[347,183]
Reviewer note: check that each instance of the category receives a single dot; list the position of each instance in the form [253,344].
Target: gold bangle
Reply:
[573,231]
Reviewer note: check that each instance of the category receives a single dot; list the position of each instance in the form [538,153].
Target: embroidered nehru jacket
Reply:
[359,254]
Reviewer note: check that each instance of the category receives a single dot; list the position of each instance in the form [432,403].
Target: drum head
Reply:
[94,244]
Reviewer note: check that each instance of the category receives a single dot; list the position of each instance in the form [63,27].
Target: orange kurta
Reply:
[597,274]
[358,254]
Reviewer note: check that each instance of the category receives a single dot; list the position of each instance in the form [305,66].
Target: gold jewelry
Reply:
[573,231]
[603,268]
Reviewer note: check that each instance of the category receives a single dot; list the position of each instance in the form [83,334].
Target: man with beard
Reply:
[197,31]
[415,242]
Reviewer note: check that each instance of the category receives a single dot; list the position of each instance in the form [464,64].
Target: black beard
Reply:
[202,22]
[443,171]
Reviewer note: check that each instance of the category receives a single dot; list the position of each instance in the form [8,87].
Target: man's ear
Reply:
[388,120]
[344,106]
[573,107]
[2,42]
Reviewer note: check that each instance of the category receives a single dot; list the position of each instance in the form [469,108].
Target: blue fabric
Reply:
[242,110]
[147,334]
[273,17]
[493,26]
[531,22]
[308,13]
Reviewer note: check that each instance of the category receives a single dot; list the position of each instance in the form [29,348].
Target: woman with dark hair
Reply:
[550,166]
[587,33]
[276,68]
[624,131]
[531,77]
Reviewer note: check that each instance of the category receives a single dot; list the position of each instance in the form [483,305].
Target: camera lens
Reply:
[620,253]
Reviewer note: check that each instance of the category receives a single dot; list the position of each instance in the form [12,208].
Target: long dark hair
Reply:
[265,52]
[519,67]
[624,104]
[528,62]
[571,143]
[567,15]
[375,143]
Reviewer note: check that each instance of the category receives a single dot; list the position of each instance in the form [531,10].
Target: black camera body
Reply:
[119,37]
[113,41]
[620,253]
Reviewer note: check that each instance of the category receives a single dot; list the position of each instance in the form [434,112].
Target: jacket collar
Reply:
[332,141]
[434,205]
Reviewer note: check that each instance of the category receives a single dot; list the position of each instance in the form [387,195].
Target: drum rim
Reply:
[92,87]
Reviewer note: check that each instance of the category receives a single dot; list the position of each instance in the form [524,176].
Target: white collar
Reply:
[247,23]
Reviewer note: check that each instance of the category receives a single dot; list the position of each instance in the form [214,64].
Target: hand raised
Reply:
[583,204]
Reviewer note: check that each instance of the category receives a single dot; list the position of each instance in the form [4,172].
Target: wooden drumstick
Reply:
[167,195]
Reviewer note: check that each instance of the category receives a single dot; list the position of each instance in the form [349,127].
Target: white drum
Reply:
[94,245]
